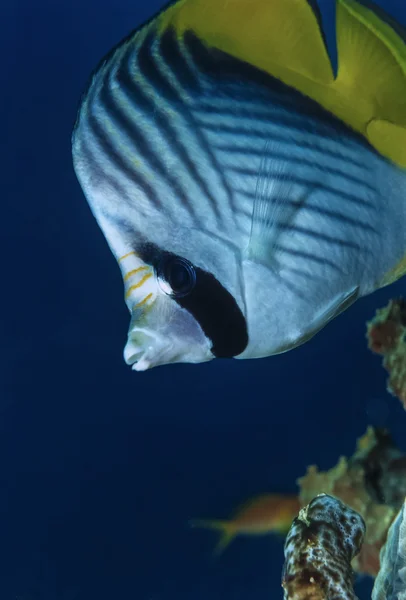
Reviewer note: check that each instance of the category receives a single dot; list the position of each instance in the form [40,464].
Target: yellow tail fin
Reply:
[226,529]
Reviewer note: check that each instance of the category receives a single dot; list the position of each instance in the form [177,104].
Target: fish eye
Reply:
[176,276]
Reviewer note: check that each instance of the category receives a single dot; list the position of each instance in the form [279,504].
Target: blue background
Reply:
[100,467]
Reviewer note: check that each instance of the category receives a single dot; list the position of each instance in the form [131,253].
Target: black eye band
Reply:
[218,314]
[203,296]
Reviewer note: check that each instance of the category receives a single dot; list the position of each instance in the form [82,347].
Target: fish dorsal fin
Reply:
[277,200]
[285,39]
[372,71]
[276,36]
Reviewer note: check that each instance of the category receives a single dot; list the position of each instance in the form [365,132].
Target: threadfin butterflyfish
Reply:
[249,192]
[261,515]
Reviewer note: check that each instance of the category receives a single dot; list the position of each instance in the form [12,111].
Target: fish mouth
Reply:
[143,350]
[141,365]
[146,349]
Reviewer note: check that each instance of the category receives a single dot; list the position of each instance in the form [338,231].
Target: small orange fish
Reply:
[268,513]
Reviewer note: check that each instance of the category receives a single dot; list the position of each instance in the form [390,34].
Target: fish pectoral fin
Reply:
[226,528]
[276,202]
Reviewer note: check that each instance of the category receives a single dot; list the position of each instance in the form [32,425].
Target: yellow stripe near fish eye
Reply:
[138,285]
[143,302]
[134,272]
[132,253]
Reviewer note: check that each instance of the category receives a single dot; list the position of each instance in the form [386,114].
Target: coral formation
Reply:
[390,583]
[321,544]
[353,516]
[319,548]
[386,336]
[372,482]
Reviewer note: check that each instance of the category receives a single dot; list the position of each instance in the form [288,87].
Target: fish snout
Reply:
[147,348]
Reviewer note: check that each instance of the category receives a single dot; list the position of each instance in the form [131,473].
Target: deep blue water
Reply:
[100,467]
